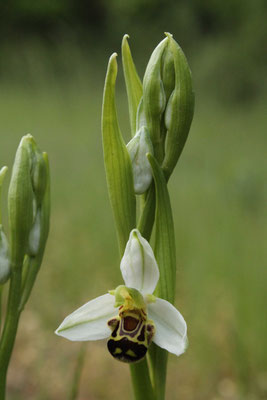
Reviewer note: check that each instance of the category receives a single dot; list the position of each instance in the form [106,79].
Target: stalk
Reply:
[78,373]
[141,381]
[10,327]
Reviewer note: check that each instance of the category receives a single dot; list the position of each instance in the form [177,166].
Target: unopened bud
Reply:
[154,98]
[140,117]
[138,147]
[180,107]
[25,198]
[39,175]
[168,71]
[4,258]
[35,235]
[20,200]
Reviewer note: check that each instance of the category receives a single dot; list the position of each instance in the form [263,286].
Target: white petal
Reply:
[170,326]
[89,322]
[138,265]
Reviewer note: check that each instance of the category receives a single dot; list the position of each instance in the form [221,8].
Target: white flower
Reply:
[141,317]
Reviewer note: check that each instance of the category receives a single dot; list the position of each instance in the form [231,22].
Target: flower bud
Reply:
[41,184]
[168,71]
[180,107]
[39,175]
[21,200]
[37,238]
[3,171]
[154,98]
[35,235]
[4,248]
[138,147]
[27,189]
[4,258]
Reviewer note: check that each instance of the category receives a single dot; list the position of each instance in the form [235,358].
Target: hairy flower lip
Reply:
[141,274]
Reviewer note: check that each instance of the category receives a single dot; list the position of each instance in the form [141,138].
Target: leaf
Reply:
[117,162]
[164,235]
[132,81]
[166,258]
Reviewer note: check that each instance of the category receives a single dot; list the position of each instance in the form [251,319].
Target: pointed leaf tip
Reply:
[117,161]
[132,81]
[3,172]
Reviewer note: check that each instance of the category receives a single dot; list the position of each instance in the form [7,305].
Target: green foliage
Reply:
[117,162]
[133,84]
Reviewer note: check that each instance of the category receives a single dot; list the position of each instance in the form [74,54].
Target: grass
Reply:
[218,193]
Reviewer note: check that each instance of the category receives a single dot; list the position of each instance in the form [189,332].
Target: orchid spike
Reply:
[135,316]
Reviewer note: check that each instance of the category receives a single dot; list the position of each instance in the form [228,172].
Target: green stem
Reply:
[10,328]
[78,373]
[159,359]
[141,381]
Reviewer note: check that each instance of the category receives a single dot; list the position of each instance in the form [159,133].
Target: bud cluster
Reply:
[27,207]
[21,255]
[164,112]
[161,111]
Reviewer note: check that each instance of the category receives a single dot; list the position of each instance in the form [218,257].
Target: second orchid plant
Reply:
[138,317]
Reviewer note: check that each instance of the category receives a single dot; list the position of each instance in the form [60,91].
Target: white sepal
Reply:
[170,326]
[89,322]
[138,265]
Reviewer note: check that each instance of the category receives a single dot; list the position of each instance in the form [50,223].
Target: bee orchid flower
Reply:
[130,316]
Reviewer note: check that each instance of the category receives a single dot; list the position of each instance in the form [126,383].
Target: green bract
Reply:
[117,161]
[132,81]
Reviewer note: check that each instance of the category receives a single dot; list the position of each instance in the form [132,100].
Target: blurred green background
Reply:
[53,56]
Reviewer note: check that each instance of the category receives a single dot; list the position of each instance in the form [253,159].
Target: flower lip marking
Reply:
[130,323]
[131,335]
